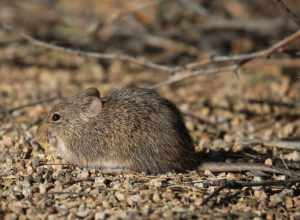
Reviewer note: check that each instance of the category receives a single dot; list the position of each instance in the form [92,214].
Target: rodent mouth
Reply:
[56,144]
[51,139]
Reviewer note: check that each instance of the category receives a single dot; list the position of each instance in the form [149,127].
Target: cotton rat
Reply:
[130,129]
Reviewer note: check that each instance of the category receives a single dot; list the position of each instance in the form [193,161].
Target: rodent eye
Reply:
[55,117]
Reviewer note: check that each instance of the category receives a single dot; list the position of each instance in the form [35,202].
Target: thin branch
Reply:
[195,7]
[235,184]
[244,58]
[182,76]
[56,164]
[289,12]
[215,193]
[290,145]
[235,61]
[31,104]
[97,55]
[9,111]
[264,26]
[122,14]
[214,65]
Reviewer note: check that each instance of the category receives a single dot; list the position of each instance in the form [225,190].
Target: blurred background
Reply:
[168,32]
[173,33]
[220,109]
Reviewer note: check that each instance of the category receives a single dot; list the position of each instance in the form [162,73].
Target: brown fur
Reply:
[130,129]
[135,129]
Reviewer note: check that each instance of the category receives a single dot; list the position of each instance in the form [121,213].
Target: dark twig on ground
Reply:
[283,144]
[215,193]
[235,184]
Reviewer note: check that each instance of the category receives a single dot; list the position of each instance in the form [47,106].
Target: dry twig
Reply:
[122,14]
[290,145]
[31,104]
[103,56]
[188,74]
[244,58]
[4,112]
[215,193]
[234,63]
[236,184]
[265,27]
[214,65]
[289,12]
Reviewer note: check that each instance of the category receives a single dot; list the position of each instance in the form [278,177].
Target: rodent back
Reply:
[135,126]
[134,108]
[147,127]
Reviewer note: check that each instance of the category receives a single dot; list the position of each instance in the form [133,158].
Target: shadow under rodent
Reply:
[130,129]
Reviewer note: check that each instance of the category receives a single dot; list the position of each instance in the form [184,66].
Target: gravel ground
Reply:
[220,111]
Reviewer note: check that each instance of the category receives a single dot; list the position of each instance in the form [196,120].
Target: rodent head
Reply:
[68,118]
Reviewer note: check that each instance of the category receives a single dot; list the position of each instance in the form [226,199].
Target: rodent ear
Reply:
[95,107]
[92,92]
